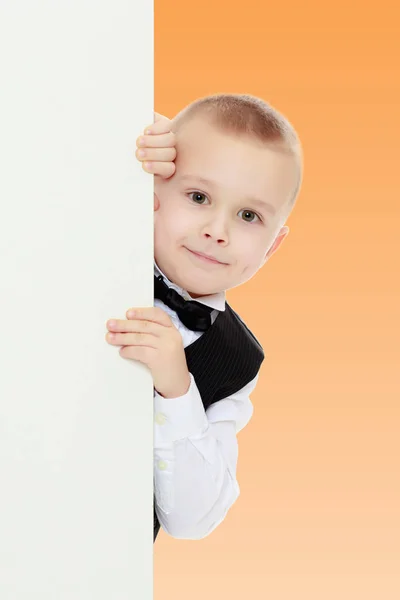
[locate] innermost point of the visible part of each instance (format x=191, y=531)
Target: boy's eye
x=251, y=213
x=197, y=196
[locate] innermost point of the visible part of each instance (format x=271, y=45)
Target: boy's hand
x=150, y=337
x=156, y=150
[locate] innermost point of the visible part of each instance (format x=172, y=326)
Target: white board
x=76, y=248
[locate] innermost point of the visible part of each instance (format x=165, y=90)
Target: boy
x=227, y=171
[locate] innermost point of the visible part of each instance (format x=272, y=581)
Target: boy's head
x=234, y=153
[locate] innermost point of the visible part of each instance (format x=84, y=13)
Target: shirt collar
x=216, y=301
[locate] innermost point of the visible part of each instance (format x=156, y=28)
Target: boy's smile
x=228, y=200
x=208, y=258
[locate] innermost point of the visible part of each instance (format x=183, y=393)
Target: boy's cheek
x=164, y=195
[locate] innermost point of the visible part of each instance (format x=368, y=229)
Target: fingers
x=163, y=140
x=151, y=313
x=157, y=150
x=162, y=125
x=144, y=319
x=158, y=117
x=155, y=154
x=160, y=169
x=158, y=161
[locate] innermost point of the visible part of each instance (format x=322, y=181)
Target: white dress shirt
x=196, y=451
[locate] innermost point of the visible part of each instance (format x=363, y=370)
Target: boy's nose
x=217, y=230
x=218, y=237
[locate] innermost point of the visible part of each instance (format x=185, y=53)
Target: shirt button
x=162, y=465
x=160, y=418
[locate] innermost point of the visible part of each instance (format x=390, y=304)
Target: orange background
x=319, y=463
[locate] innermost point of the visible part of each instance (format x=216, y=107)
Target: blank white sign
x=76, y=248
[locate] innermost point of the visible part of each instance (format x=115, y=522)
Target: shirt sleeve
x=195, y=459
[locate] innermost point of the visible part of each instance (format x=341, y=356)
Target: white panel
x=76, y=419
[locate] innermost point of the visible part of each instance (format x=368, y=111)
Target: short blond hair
x=248, y=115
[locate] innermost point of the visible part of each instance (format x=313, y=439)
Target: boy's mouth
x=205, y=257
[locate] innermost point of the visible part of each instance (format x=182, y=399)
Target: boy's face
x=208, y=206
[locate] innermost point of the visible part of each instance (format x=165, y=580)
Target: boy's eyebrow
x=258, y=201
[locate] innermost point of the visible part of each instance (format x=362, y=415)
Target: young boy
x=227, y=171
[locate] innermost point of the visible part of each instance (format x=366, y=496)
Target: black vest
x=222, y=360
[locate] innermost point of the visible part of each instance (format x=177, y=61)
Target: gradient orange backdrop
x=319, y=463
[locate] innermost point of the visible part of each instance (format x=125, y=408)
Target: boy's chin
x=200, y=293
x=196, y=292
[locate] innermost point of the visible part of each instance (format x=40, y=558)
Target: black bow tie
x=194, y=316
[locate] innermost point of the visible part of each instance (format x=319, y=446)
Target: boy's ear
x=156, y=202
x=278, y=240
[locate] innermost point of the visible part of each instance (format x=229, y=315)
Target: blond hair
x=248, y=115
